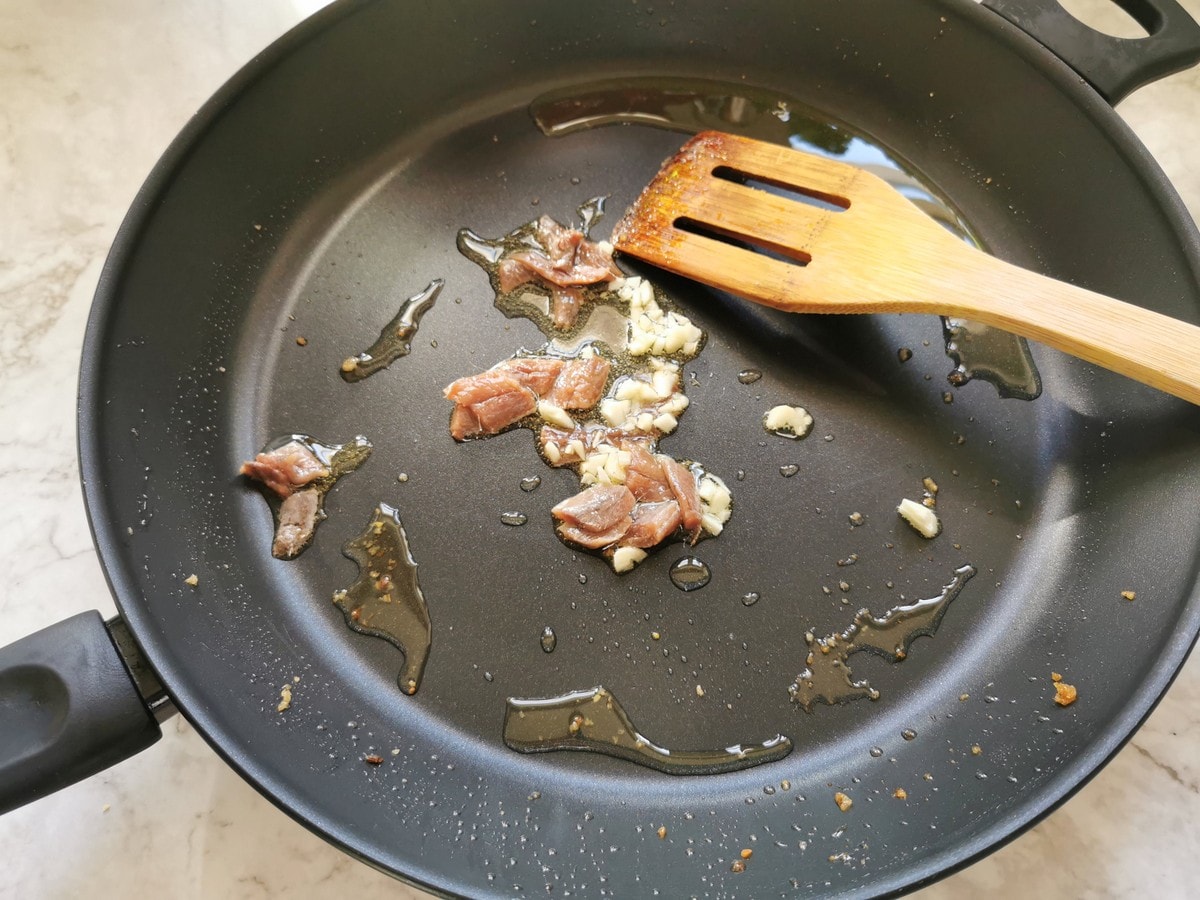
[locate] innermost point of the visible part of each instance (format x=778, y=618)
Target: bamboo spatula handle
x=1147, y=346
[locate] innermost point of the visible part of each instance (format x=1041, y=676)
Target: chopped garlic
x=625, y=558
x=555, y=415
x=788, y=421
x=920, y=517
x=651, y=330
x=716, y=503
x=666, y=423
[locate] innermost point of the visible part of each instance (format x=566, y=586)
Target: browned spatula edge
x=875, y=252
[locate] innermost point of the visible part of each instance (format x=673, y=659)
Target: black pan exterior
x=326, y=182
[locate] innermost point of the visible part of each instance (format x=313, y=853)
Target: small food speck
x=785, y=785
x=302, y=341
x=699, y=691
x=106, y=807
x=962, y=698
x=349, y=364
x=843, y=802
x=930, y=484
x=1129, y=595
x=747, y=853
x=192, y=580
x=1054, y=676
x=373, y=759
x=654, y=635
x=285, y=698
x=1065, y=694
x=923, y=519
x=976, y=750
x=844, y=586
x=738, y=866
x=856, y=519
x=662, y=832
x=904, y=354
x=900, y=794
x=402, y=478
x=395, y=751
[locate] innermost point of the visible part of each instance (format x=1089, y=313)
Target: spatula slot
x=800, y=193
x=752, y=243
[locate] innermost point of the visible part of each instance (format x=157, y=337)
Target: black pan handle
x=1113, y=66
x=69, y=707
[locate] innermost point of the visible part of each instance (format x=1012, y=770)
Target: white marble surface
x=90, y=95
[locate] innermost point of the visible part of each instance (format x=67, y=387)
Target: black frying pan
x=360, y=151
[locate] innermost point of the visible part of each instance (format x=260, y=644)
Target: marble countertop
x=90, y=95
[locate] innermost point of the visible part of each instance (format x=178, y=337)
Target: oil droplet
x=908, y=734
x=531, y=483
x=750, y=598
x=877, y=752
x=789, y=470
x=513, y=518
x=594, y=720
x=749, y=376
x=690, y=574
x=549, y=639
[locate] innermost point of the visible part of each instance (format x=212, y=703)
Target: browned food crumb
x=962, y=698
x=1065, y=694
x=654, y=635
x=373, y=759
x=843, y=802
x=302, y=341
x=856, y=518
x=285, y=698
x=930, y=484
x=349, y=364
x=1055, y=677
x=900, y=794
x=1129, y=595
x=662, y=832
x=747, y=853
x=192, y=580
x=738, y=866
x=976, y=750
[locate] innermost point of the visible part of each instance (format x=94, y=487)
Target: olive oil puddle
x=386, y=600
x=395, y=340
x=339, y=459
x=828, y=679
x=694, y=105
x=595, y=721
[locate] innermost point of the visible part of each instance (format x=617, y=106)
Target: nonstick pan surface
x=328, y=182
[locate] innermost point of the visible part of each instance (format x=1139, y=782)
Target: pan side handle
x=69, y=707
x=1114, y=66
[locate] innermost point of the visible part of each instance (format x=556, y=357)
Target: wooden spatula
x=867, y=249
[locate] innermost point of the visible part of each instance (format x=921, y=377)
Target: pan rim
x=191, y=700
